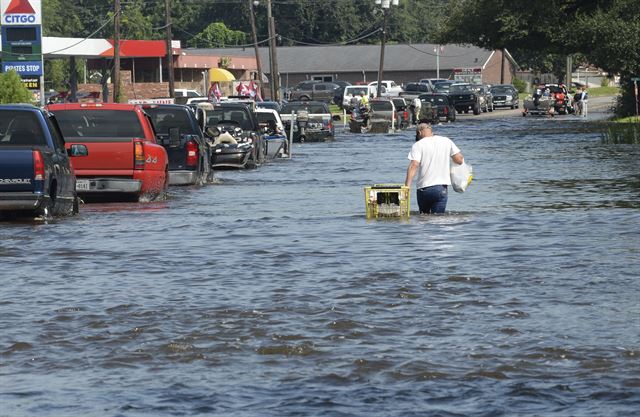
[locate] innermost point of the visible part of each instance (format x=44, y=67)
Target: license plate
x=82, y=185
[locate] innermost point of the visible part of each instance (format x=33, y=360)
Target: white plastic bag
x=461, y=176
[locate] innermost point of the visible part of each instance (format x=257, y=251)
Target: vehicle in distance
x=505, y=95
x=484, y=96
x=316, y=91
x=464, y=98
x=36, y=175
x=312, y=121
x=413, y=90
x=124, y=162
x=389, y=87
x=352, y=94
x=189, y=153
x=445, y=112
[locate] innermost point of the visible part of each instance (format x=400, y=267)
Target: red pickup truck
x=124, y=159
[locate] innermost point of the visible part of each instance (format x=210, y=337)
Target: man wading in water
x=431, y=157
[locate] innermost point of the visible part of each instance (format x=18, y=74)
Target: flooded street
x=270, y=294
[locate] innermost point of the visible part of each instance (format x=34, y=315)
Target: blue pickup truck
x=36, y=175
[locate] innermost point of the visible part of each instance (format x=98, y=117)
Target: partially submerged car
x=505, y=95
x=464, y=98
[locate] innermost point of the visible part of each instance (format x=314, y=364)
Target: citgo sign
x=20, y=12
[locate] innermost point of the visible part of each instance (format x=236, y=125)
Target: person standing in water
x=431, y=157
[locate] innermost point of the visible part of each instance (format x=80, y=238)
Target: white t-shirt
x=434, y=154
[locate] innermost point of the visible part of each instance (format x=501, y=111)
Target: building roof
x=356, y=58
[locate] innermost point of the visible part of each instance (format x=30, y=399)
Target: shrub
x=520, y=85
x=12, y=90
x=604, y=82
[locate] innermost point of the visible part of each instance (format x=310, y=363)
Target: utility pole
x=167, y=8
x=275, y=75
x=254, y=33
x=383, y=40
x=116, y=53
x=502, y=66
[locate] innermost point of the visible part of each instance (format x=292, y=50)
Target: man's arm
x=458, y=158
x=411, y=171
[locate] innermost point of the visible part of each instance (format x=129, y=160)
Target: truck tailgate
x=104, y=155
x=16, y=170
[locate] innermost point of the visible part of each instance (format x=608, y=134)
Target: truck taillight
x=192, y=153
x=446, y=110
x=38, y=166
x=138, y=154
x=406, y=115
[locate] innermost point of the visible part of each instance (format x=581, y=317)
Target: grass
x=603, y=91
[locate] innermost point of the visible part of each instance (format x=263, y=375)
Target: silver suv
x=314, y=90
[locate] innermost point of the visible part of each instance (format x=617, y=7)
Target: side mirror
x=78, y=150
x=174, y=136
x=336, y=117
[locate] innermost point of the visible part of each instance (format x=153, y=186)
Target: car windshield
x=381, y=105
x=356, y=91
x=442, y=87
x=265, y=118
x=435, y=99
x=99, y=124
x=417, y=87
x=500, y=90
x=460, y=88
x=164, y=118
x=268, y=105
x=20, y=128
x=310, y=107
x=237, y=115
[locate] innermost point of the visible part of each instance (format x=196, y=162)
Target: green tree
x=217, y=35
x=12, y=90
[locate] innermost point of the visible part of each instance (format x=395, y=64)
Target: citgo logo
x=19, y=11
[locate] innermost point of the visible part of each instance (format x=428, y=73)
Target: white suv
x=389, y=88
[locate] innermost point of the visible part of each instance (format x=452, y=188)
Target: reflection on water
x=269, y=293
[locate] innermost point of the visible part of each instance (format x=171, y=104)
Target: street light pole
x=273, y=65
x=385, y=4
x=255, y=44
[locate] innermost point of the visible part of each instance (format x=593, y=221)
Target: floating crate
x=387, y=200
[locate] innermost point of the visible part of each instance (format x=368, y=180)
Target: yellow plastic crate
x=387, y=200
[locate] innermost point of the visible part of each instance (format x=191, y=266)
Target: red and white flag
x=242, y=89
x=254, y=91
x=214, y=93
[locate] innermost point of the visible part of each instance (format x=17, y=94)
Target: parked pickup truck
x=124, y=159
x=312, y=121
x=178, y=131
x=36, y=176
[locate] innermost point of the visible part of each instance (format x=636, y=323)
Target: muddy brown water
x=270, y=294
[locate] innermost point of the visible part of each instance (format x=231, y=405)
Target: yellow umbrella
x=220, y=74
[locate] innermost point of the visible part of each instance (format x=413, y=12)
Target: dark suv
x=505, y=95
x=314, y=90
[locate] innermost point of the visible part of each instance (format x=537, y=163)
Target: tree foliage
x=12, y=90
x=217, y=35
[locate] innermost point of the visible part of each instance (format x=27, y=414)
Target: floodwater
x=270, y=294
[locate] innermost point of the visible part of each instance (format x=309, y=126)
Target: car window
x=20, y=128
x=310, y=107
x=465, y=88
x=238, y=115
x=164, y=118
x=381, y=105
x=99, y=124
x=356, y=91
x=320, y=87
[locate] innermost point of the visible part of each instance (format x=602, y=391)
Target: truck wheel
x=304, y=98
x=476, y=110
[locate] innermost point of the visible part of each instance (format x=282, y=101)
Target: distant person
x=431, y=158
x=584, y=99
x=364, y=100
x=416, y=106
